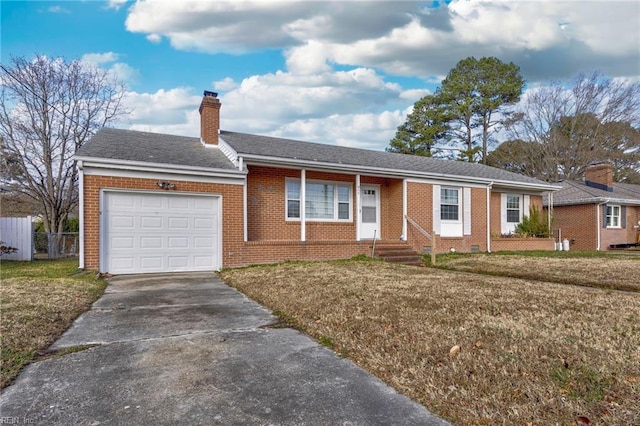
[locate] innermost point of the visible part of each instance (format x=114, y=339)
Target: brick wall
x=625, y=235
x=578, y=224
x=519, y=244
x=420, y=209
x=274, y=239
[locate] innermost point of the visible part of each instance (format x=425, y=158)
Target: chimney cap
x=210, y=93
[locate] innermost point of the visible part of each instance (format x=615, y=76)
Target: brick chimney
x=599, y=175
x=210, y=118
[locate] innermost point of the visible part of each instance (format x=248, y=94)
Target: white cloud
x=546, y=38
x=98, y=59
x=116, y=4
x=154, y=38
x=164, y=107
x=413, y=95
x=225, y=84
x=57, y=9
x=263, y=102
x=109, y=61
x=370, y=131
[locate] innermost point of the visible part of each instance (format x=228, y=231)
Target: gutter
x=147, y=166
x=350, y=169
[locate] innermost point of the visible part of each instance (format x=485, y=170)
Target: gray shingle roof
x=264, y=146
x=145, y=147
x=575, y=192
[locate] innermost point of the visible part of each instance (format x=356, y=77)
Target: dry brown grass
x=39, y=300
x=614, y=271
x=530, y=352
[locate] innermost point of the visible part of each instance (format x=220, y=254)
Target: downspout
x=404, y=237
x=489, y=216
x=358, y=208
x=81, y=211
x=549, y=212
x=245, y=204
x=598, y=225
x=303, y=202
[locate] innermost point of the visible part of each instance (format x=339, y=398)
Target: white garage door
x=150, y=232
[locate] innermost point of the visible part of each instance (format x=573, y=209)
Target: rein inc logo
x=16, y=421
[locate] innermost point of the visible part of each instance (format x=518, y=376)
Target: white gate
x=17, y=232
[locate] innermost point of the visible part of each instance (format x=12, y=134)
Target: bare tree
x=568, y=126
x=49, y=108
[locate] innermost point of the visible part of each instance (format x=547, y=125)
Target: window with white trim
x=325, y=201
x=513, y=208
x=450, y=204
x=613, y=216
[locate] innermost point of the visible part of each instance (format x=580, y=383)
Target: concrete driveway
x=186, y=348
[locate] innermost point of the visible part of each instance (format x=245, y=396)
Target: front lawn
x=612, y=270
x=39, y=301
x=472, y=348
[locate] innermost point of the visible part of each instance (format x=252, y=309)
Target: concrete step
x=398, y=252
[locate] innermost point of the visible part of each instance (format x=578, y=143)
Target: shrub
x=536, y=225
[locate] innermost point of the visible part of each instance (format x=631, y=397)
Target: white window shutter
x=436, y=209
x=503, y=214
x=466, y=207
x=525, y=206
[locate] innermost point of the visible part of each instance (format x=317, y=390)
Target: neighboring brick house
x=597, y=212
x=158, y=203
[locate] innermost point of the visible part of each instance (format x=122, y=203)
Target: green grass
x=40, y=300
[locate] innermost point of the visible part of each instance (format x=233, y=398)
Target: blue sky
x=342, y=72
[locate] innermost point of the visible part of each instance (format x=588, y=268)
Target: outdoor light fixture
x=165, y=185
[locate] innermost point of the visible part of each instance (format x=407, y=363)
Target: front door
x=370, y=215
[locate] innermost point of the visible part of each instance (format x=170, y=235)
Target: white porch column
x=303, y=202
x=358, y=208
x=404, y=210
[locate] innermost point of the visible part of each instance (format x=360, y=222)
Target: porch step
x=398, y=252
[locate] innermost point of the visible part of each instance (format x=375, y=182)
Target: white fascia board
x=159, y=167
x=392, y=173
x=228, y=151
x=596, y=200
x=504, y=185
x=101, y=170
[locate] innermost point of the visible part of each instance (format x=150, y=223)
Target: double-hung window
x=513, y=208
x=450, y=204
x=324, y=201
x=613, y=217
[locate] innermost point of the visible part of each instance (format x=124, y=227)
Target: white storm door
x=370, y=212
x=156, y=232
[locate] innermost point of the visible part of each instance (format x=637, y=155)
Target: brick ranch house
x=597, y=212
x=160, y=203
